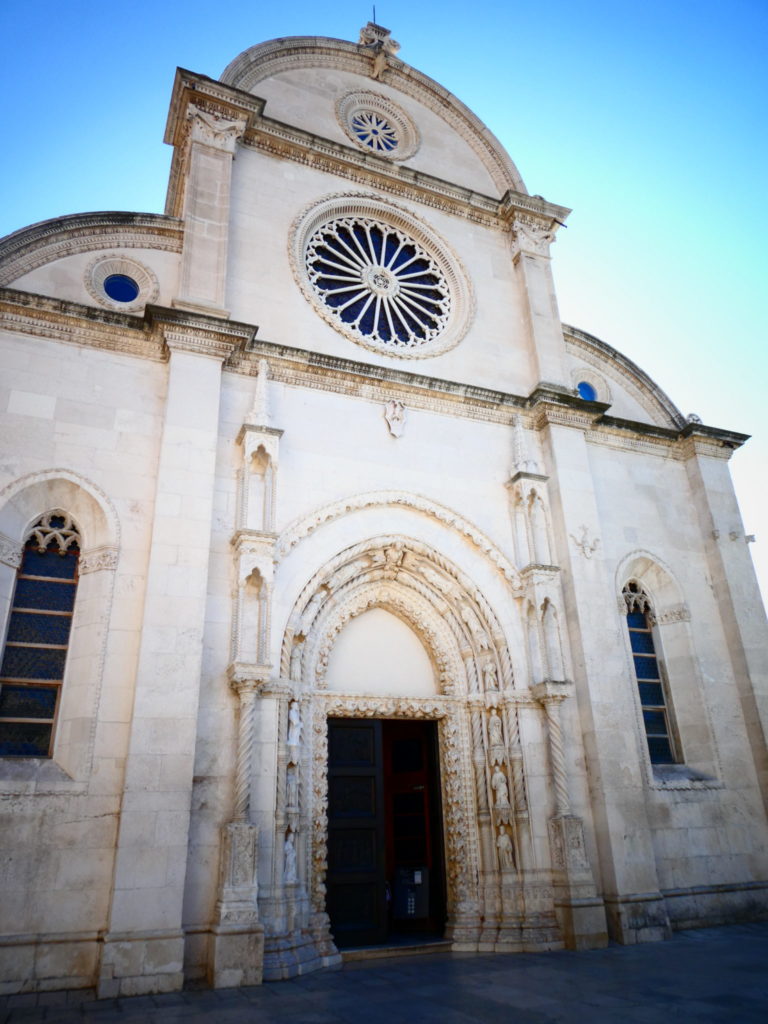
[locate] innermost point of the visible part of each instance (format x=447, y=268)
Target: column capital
x=215, y=129
x=552, y=691
x=183, y=330
x=245, y=678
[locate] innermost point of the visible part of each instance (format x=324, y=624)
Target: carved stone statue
x=294, y=724
x=500, y=787
x=505, y=848
x=494, y=730
x=289, y=859
x=292, y=786
x=296, y=653
x=489, y=676
x=381, y=44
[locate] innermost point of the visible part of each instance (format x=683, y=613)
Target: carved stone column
x=237, y=937
x=580, y=911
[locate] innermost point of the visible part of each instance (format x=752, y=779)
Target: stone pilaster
x=629, y=881
x=143, y=946
x=734, y=585
x=532, y=236
x=211, y=140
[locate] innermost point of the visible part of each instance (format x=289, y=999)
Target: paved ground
x=713, y=975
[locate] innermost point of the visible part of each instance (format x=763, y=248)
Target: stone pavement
x=712, y=975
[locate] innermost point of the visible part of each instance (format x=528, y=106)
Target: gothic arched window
x=32, y=669
x=649, y=676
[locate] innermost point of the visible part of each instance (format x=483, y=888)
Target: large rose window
x=379, y=276
x=378, y=282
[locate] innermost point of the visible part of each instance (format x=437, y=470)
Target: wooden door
x=356, y=898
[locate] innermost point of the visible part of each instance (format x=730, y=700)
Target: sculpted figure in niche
x=505, y=848
x=489, y=676
x=500, y=787
x=475, y=627
x=294, y=724
x=494, y=730
x=289, y=859
x=296, y=653
x=292, y=786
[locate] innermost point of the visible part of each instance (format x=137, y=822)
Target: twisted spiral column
x=557, y=756
x=518, y=782
x=247, y=691
x=478, y=757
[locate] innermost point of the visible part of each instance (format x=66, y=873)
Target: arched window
x=649, y=675
x=32, y=669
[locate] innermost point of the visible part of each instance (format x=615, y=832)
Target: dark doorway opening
x=386, y=875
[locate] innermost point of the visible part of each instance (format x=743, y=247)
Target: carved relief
x=97, y=559
x=379, y=42
x=394, y=414
x=213, y=130
x=10, y=552
x=532, y=235
x=586, y=545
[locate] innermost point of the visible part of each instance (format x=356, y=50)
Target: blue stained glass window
x=121, y=288
x=586, y=391
x=38, y=633
x=653, y=704
x=38, y=628
x=27, y=701
x=24, y=739
x=50, y=595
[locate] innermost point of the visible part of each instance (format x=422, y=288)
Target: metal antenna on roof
x=374, y=14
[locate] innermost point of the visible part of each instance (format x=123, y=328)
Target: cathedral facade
x=348, y=596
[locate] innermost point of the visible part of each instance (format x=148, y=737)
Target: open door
x=385, y=848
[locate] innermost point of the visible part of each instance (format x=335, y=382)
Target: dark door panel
x=356, y=884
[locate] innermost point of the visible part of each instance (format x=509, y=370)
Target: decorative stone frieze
x=97, y=559
x=10, y=552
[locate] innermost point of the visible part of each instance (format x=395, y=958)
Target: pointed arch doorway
x=386, y=865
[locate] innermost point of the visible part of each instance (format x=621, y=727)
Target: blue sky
x=648, y=120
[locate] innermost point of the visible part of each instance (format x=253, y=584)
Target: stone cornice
x=645, y=387
x=367, y=169
x=38, y=244
x=183, y=330
x=75, y=323
x=297, y=53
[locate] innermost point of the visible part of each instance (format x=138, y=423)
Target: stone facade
x=400, y=509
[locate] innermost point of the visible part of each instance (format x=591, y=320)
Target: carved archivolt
x=470, y=656
x=301, y=528
x=418, y=584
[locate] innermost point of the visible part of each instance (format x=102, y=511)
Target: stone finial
x=693, y=417
x=379, y=42
x=259, y=413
